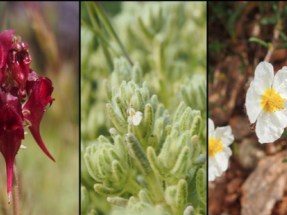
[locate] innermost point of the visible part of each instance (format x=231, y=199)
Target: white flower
x=218, y=151
x=23, y=147
x=134, y=117
x=266, y=102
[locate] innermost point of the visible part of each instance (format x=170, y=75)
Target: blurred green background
x=51, y=29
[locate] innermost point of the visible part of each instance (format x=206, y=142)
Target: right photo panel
x=247, y=119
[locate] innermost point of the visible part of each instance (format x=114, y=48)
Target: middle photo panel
x=143, y=108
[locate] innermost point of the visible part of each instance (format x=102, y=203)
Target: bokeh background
x=51, y=29
x=241, y=35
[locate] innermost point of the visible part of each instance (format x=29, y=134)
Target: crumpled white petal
x=253, y=106
x=137, y=118
x=225, y=134
x=270, y=126
x=218, y=163
x=280, y=82
x=210, y=126
x=263, y=77
x=134, y=117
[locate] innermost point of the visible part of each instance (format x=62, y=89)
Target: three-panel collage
x=143, y=108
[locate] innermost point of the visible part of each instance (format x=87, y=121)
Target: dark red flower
x=24, y=96
x=39, y=90
x=6, y=38
x=19, y=61
x=11, y=131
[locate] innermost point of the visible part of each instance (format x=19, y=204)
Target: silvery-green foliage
x=175, y=50
x=157, y=166
x=193, y=92
x=162, y=149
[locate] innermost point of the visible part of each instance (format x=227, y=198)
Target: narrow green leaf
x=155, y=164
x=256, y=40
x=118, y=201
x=106, y=191
x=182, y=192
x=201, y=184
x=110, y=28
x=284, y=37
x=147, y=32
x=282, y=46
x=138, y=152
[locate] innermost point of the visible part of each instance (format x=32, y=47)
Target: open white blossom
x=219, y=152
x=266, y=102
x=134, y=117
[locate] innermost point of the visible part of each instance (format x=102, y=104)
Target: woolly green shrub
x=143, y=120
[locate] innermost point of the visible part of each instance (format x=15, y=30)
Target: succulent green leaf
x=182, y=192
x=155, y=164
x=118, y=201
x=118, y=122
x=138, y=152
x=106, y=191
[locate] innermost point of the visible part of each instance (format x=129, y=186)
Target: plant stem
x=276, y=34
x=15, y=191
x=156, y=187
x=98, y=32
x=133, y=187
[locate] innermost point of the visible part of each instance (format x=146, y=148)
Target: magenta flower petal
x=24, y=97
x=19, y=61
x=6, y=38
x=11, y=132
x=39, y=92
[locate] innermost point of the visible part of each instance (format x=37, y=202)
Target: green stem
x=161, y=71
x=156, y=187
x=133, y=187
x=110, y=28
x=99, y=33
x=96, y=32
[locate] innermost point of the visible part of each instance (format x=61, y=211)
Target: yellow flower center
x=272, y=101
x=132, y=113
x=214, y=146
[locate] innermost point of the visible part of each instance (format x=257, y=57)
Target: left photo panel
x=143, y=108
x=39, y=108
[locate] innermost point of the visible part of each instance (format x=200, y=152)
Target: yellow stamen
x=214, y=146
x=272, y=101
x=132, y=114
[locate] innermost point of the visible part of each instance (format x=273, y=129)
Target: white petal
x=284, y=111
x=218, y=164
x=214, y=169
x=280, y=82
x=210, y=125
x=270, y=126
x=130, y=119
x=137, y=118
x=263, y=77
x=131, y=111
x=223, y=158
x=225, y=134
x=138, y=113
x=23, y=147
x=253, y=106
